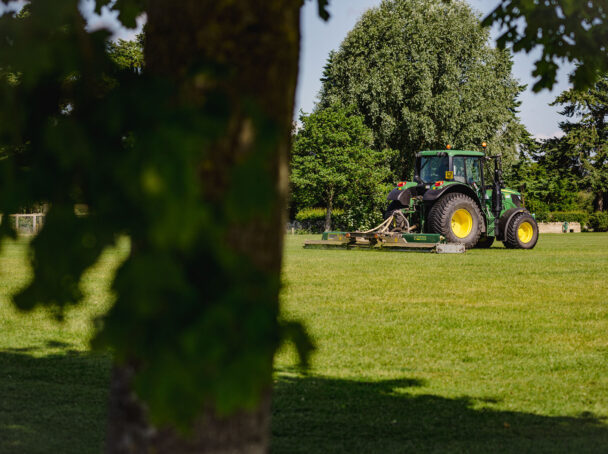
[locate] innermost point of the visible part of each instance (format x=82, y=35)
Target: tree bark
x=257, y=43
x=599, y=201
x=130, y=432
x=330, y=203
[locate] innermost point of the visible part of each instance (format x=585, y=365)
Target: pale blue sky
x=319, y=38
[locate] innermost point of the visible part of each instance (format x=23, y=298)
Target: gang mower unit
x=449, y=206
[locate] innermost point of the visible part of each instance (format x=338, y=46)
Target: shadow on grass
x=325, y=415
x=55, y=403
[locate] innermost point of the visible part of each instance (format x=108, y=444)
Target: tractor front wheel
x=522, y=232
x=457, y=217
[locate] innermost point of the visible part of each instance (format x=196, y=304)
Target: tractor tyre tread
x=441, y=213
x=511, y=238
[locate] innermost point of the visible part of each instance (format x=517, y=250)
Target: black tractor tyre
x=394, y=205
x=398, y=224
x=485, y=242
x=443, y=216
x=522, y=232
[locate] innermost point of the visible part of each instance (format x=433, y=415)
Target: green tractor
x=451, y=197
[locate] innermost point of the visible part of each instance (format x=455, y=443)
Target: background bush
x=599, y=221
x=333, y=166
x=563, y=216
x=312, y=220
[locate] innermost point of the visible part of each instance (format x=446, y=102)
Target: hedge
x=315, y=214
x=313, y=219
x=564, y=216
x=599, y=221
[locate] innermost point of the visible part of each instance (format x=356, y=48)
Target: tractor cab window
x=433, y=168
x=459, y=169
x=473, y=171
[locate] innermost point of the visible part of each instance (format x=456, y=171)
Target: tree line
x=420, y=75
x=570, y=173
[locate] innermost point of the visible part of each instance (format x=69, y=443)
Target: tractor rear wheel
x=457, y=217
x=522, y=232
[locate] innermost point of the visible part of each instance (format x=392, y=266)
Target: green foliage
x=564, y=216
x=79, y=126
x=599, y=222
x=423, y=75
x=570, y=216
x=312, y=220
x=586, y=138
x=564, y=29
x=315, y=214
x=128, y=54
x=333, y=164
x=563, y=173
x=540, y=216
x=322, y=7
x=548, y=176
x=128, y=10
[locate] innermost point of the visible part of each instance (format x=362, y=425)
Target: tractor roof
x=451, y=153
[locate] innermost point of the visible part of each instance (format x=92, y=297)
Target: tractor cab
x=439, y=171
x=449, y=167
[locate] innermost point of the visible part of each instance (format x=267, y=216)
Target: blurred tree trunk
x=328, y=211
x=257, y=45
x=600, y=201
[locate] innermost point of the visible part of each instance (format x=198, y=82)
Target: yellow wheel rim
x=525, y=232
x=462, y=223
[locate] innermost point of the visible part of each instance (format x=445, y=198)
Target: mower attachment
x=388, y=241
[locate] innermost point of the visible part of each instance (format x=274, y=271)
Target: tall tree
x=333, y=164
x=189, y=159
x=423, y=75
x=549, y=174
x=556, y=170
x=586, y=137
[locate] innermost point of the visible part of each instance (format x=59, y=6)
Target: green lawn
x=491, y=351
x=53, y=391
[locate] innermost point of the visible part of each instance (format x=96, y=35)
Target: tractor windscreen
x=433, y=168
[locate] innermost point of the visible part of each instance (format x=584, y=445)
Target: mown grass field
x=492, y=351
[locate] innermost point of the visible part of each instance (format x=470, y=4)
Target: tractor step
x=390, y=241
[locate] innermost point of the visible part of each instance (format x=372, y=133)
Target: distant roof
x=452, y=153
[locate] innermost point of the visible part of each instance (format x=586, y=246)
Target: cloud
x=108, y=19
x=11, y=6
x=557, y=134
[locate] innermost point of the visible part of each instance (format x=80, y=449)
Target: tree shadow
x=57, y=403
x=53, y=403
x=326, y=415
